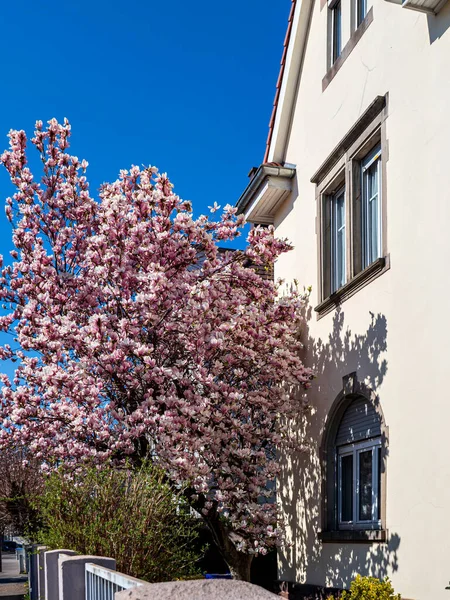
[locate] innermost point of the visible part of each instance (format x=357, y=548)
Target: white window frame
x=335, y=284
x=373, y=157
x=355, y=450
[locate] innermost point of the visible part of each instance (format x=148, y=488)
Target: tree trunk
x=239, y=563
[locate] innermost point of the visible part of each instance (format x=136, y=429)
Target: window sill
x=377, y=268
x=354, y=39
x=354, y=536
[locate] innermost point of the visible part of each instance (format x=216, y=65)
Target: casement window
x=336, y=30
x=347, y=22
x=359, y=470
x=366, y=236
x=355, y=471
x=338, y=240
x=351, y=202
x=371, y=206
x=358, y=458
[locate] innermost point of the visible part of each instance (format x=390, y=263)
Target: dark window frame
x=354, y=451
x=344, y=167
x=336, y=31
x=352, y=389
x=333, y=65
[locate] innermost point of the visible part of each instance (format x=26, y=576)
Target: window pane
x=371, y=211
x=379, y=484
x=362, y=10
x=365, y=486
x=373, y=231
x=373, y=179
x=340, y=210
x=338, y=240
x=337, y=31
x=347, y=488
x=340, y=218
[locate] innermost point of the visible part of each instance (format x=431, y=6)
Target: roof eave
x=268, y=188
x=287, y=85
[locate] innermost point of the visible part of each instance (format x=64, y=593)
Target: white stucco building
x=357, y=176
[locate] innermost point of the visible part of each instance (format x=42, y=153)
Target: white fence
x=103, y=583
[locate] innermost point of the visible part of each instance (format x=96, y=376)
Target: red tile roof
x=280, y=79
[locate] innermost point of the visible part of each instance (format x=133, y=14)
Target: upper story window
x=366, y=237
x=352, y=212
x=347, y=21
x=338, y=239
x=336, y=29
x=371, y=206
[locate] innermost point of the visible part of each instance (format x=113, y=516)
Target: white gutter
x=263, y=172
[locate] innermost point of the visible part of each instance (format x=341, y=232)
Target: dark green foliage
x=20, y=482
x=133, y=516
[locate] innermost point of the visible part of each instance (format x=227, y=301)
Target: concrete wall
x=71, y=583
x=51, y=572
x=41, y=571
x=33, y=572
x=394, y=332
x=199, y=590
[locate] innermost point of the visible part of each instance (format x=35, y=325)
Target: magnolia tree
x=136, y=337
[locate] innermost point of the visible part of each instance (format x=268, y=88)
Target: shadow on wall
x=438, y=24
x=307, y=559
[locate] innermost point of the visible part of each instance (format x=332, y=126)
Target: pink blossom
x=138, y=336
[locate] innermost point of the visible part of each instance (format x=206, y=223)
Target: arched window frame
x=332, y=528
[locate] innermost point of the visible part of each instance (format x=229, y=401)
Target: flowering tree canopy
x=138, y=337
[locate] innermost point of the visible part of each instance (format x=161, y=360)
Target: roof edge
x=288, y=79
x=265, y=170
x=287, y=39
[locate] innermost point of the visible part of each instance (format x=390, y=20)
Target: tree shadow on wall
x=306, y=559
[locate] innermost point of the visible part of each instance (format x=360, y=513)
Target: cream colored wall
x=396, y=331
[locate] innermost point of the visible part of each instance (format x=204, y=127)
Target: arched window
x=358, y=457
x=354, y=460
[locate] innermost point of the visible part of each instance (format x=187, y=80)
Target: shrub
x=20, y=481
x=133, y=516
x=370, y=588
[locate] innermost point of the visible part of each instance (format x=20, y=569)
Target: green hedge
x=133, y=516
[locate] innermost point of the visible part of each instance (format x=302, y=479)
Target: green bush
x=133, y=516
x=369, y=588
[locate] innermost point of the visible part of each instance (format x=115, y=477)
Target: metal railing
x=102, y=583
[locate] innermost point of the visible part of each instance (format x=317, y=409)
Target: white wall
x=395, y=332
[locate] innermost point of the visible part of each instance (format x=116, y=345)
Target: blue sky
x=185, y=86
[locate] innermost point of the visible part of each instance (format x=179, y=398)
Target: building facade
x=356, y=176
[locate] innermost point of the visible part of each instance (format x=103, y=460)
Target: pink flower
x=136, y=334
